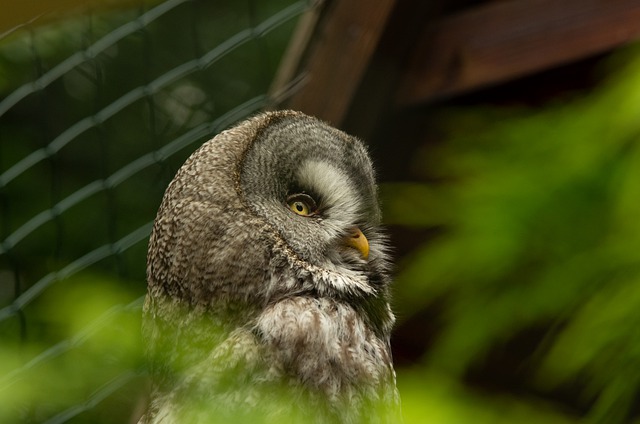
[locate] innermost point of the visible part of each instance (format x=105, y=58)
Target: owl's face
x=315, y=186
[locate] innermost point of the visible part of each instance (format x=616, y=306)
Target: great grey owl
x=268, y=282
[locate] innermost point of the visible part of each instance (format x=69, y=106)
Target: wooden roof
x=412, y=53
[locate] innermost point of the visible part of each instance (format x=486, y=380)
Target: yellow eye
x=302, y=204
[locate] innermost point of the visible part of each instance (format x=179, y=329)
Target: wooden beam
x=508, y=39
x=345, y=42
x=285, y=79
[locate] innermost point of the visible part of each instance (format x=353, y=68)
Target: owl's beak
x=358, y=241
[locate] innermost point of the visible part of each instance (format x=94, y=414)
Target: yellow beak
x=358, y=241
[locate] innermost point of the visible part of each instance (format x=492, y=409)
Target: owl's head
x=315, y=186
x=280, y=204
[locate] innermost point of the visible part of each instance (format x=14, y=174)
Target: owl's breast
x=324, y=345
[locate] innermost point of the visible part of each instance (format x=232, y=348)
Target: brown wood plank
x=345, y=43
x=504, y=40
x=285, y=79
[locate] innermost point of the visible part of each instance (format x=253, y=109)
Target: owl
x=268, y=282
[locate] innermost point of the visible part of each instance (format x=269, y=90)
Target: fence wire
x=97, y=111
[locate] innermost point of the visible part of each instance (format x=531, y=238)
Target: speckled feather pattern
x=256, y=313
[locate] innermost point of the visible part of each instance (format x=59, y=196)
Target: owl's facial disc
x=304, y=205
x=339, y=208
x=315, y=186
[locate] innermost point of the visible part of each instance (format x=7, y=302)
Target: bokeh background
x=506, y=135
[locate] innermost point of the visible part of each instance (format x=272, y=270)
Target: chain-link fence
x=98, y=109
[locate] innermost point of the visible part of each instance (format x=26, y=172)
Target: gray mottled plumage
x=256, y=313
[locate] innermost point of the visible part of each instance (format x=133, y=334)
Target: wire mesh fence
x=98, y=109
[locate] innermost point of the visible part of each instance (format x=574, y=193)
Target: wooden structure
x=394, y=54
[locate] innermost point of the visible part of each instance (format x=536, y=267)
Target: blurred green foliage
x=535, y=265
x=87, y=349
